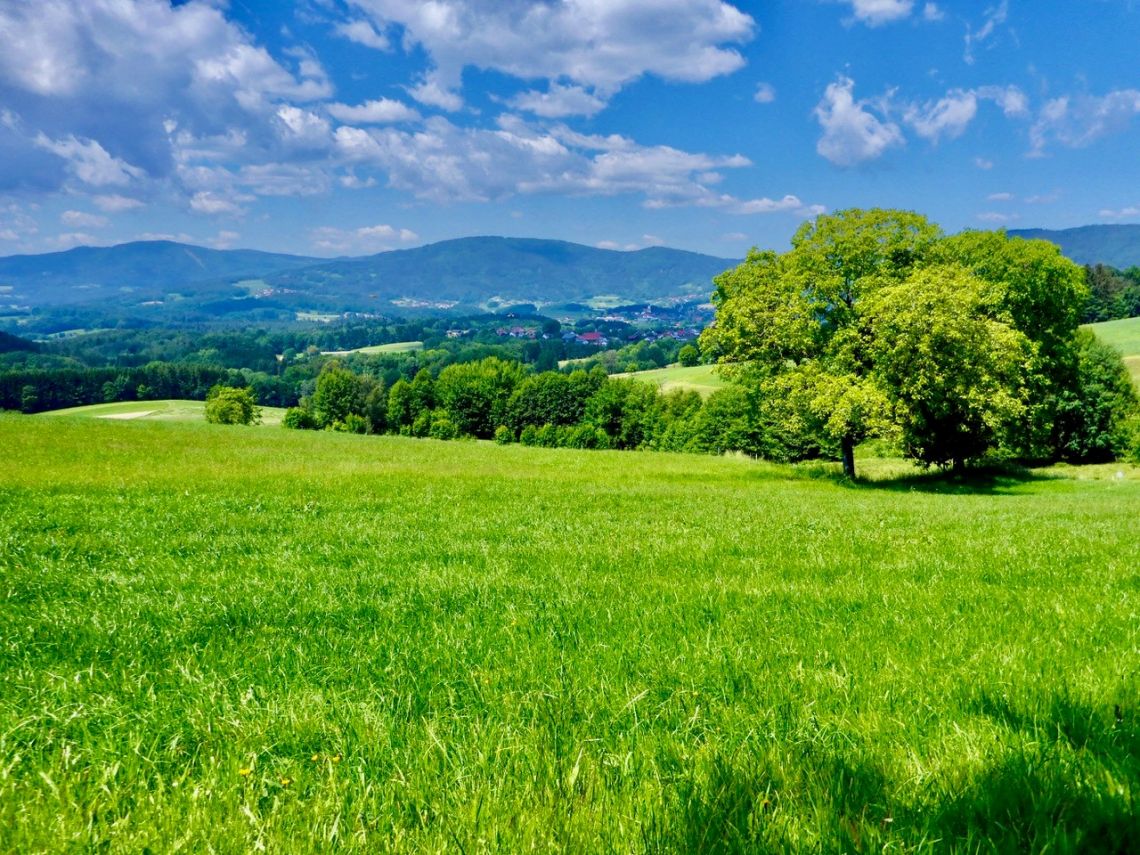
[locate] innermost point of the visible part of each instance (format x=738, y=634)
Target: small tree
x=226, y=405
x=689, y=356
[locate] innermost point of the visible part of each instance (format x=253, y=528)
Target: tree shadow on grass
x=986, y=481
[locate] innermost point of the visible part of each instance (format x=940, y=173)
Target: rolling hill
x=1118, y=246
x=166, y=280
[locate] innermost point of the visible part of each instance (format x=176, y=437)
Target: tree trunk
x=959, y=468
x=848, y=446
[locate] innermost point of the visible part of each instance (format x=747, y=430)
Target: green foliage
x=1094, y=416
x=299, y=418
x=339, y=392
x=304, y=642
x=226, y=405
x=875, y=325
x=950, y=372
x=689, y=356
x=476, y=395
x=504, y=435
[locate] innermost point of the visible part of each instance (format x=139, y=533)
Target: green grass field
x=229, y=640
x=395, y=347
x=1124, y=335
x=697, y=378
x=169, y=410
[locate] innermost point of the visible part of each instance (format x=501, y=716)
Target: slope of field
x=1124, y=335
x=395, y=347
x=217, y=639
x=699, y=378
x=170, y=410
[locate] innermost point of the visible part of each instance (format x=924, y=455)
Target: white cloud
x=931, y=12
x=873, y=13
x=206, y=202
x=1000, y=197
x=363, y=33
x=363, y=239
x=151, y=65
x=1013, y=101
x=997, y=218
x=379, y=112
x=558, y=101
x=82, y=220
x=617, y=247
x=994, y=17
x=1120, y=214
x=113, y=203
x=1078, y=121
x=983, y=163
x=1043, y=198
x=948, y=116
x=851, y=133
x=88, y=161
x=431, y=92
x=302, y=128
x=765, y=93
x=600, y=46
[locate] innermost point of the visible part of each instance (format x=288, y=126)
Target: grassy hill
x=1124, y=335
x=699, y=378
x=395, y=347
x=1117, y=245
x=242, y=639
x=176, y=411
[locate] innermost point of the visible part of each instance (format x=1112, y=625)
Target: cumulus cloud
x=444, y=162
x=765, y=93
x=933, y=13
x=852, y=134
x=88, y=161
x=363, y=33
x=1078, y=121
x=363, y=239
x=948, y=116
x=113, y=203
x=82, y=220
x=600, y=46
x=997, y=218
x=1000, y=197
x=873, y=13
x=98, y=81
x=382, y=111
x=559, y=101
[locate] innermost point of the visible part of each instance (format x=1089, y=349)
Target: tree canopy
x=877, y=324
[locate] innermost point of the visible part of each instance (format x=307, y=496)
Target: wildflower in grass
x=335, y=758
x=316, y=757
x=286, y=781
x=245, y=771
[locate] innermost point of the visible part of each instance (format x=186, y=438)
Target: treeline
x=1113, y=294
x=504, y=401
x=35, y=390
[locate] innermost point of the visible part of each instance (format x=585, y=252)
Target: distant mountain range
x=482, y=273
x=1118, y=246
x=169, y=282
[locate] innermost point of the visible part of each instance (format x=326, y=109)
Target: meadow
x=161, y=410
x=372, y=350
x=689, y=378
x=234, y=639
x=1124, y=335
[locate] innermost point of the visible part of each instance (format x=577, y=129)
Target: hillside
x=235, y=639
x=1118, y=246
x=164, y=281
x=1124, y=335
x=132, y=272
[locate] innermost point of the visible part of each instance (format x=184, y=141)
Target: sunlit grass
x=226, y=639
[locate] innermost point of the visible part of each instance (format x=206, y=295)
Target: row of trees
x=1113, y=294
x=875, y=324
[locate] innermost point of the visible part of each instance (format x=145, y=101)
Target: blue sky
x=332, y=127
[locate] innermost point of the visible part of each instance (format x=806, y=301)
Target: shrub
x=299, y=418
x=226, y=405
x=503, y=435
x=529, y=435
x=442, y=427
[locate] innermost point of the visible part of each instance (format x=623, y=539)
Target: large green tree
x=876, y=324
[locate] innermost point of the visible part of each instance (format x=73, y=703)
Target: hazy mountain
x=1118, y=246
x=174, y=279
x=149, y=269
